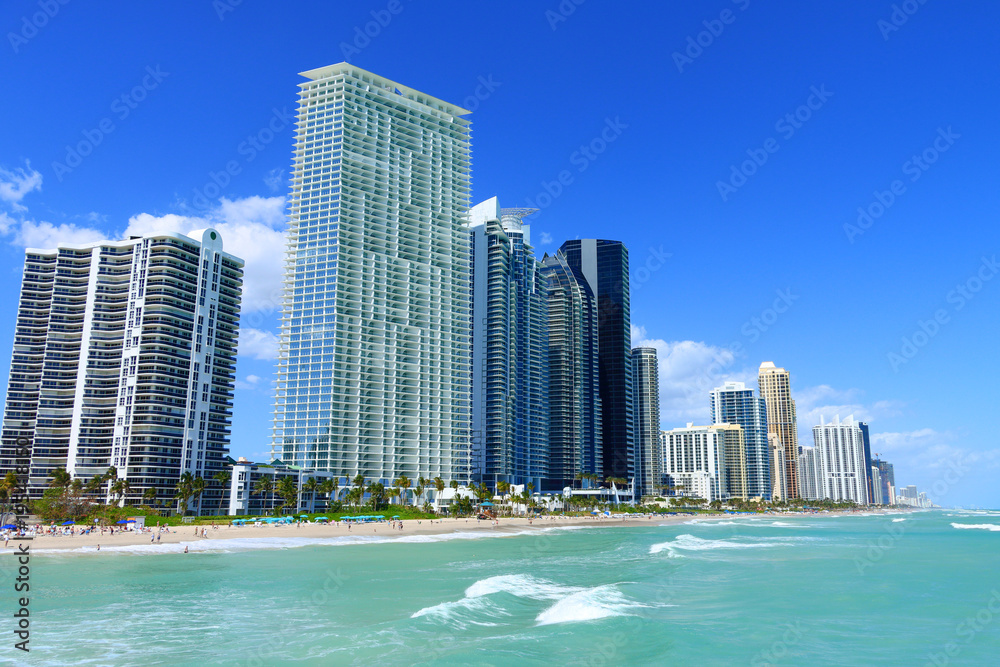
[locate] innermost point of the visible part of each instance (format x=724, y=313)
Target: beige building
x=734, y=460
x=775, y=389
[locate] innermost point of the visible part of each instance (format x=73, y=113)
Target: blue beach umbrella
x=129, y=520
x=68, y=523
x=9, y=526
x=122, y=521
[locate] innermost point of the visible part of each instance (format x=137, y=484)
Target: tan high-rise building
x=775, y=389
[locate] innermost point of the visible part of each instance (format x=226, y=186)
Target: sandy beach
x=192, y=537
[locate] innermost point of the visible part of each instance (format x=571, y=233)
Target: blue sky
x=729, y=144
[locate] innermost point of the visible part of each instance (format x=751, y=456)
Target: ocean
x=916, y=589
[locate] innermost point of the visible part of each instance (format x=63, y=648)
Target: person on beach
x=157, y=538
x=98, y=547
x=185, y=548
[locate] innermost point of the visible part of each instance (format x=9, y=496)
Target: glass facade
x=733, y=403
x=604, y=266
x=373, y=365
x=648, y=464
x=575, y=445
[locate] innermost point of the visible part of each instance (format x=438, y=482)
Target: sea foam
x=692, y=543
x=992, y=527
x=588, y=605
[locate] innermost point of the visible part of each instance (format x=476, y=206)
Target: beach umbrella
x=122, y=521
x=9, y=526
x=68, y=523
x=486, y=504
x=129, y=520
x=302, y=516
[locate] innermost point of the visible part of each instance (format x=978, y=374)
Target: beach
x=192, y=536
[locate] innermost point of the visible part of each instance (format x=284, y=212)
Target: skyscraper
x=575, y=445
x=373, y=363
x=841, y=460
x=779, y=485
x=646, y=420
x=694, y=461
x=733, y=403
x=776, y=390
x=809, y=486
x=510, y=358
x=124, y=356
x=866, y=439
x=735, y=460
x=604, y=265
x=887, y=477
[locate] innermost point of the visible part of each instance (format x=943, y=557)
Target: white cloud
x=45, y=235
x=15, y=184
x=253, y=229
x=258, y=344
x=824, y=401
x=687, y=371
x=545, y=239
x=249, y=382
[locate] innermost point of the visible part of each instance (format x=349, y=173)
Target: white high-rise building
x=779, y=485
x=809, y=486
x=124, y=355
x=694, y=461
x=646, y=420
x=877, y=498
x=373, y=364
x=841, y=460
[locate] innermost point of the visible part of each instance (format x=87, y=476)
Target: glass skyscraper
x=373, y=365
x=575, y=445
x=733, y=403
x=510, y=362
x=604, y=266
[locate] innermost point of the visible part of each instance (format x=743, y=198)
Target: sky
x=812, y=184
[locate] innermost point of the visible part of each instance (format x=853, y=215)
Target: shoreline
x=319, y=534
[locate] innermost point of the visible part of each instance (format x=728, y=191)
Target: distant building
x=888, y=480
x=510, y=356
x=866, y=438
x=694, y=461
x=876, y=477
x=603, y=265
x=124, y=355
x=809, y=484
x=779, y=480
x=734, y=459
x=646, y=421
x=734, y=403
x=575, y=445
x=841, y=454
x=248, y=497
x=776, y=390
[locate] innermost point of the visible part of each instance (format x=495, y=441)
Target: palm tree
x=288, y=490
x=378, y=494
x=60, y=478
x=439, y=485
x=503, y=488
x=359, y=487
x=149, y=495
x=393, y=492
x=184, y=491
x=310, y=487
x=8, y=488
x=222, y=477
x=263, y=486
x=403, y=483
x=120, y=490
x=453, y=484
x=334, y=485
x=197, y=488
x=326, y=487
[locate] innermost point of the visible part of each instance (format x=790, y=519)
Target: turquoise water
x=814, y=590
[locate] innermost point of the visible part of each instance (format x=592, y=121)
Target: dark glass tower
x=868, y=458
x=604, y=265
